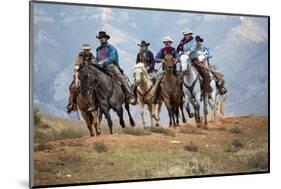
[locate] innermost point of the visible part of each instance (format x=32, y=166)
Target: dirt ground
x=64, y=153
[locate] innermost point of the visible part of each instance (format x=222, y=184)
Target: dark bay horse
x=172, y=92
x=108, y=92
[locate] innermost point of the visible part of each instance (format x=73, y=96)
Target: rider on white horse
x=190, y=49
x=187, y=52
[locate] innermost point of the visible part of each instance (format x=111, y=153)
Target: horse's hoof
x=191, y=115
x=157, y=125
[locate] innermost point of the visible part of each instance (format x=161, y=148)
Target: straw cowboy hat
x=143, y=43
x=86, y=47
x=102, y=34
x=167, y=39
x=187, y=31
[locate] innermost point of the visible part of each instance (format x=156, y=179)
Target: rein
x=191, y=87
x=147, y=91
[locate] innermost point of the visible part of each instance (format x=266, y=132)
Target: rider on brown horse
x=167, y=49
x=84, y=58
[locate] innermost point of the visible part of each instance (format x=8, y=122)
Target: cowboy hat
x=86, y=47
x=198, y=38
x=102, y=34
x=143, y=43
x=167, y=38
x=187, y=31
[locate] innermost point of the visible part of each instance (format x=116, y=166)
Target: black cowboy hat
x=102, y=34
x=198, y=38
x=143, y=43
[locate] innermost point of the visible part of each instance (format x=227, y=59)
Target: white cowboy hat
x=187, y=31
x=86, y=47
x=167, y=38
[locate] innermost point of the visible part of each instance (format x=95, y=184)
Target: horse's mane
x=142, y=66
x=99, y=68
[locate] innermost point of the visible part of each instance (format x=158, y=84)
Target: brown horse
x=91, y=118
x=172, y=92
x=83, y=102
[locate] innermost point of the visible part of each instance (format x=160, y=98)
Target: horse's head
x=140, y=73
x=84, y=77
x=169, y=62
x=185, y=63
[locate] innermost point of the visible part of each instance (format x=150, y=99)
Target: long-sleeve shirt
x=161, y=53
x=148, y=58
x=196, y=49
x=108, y=54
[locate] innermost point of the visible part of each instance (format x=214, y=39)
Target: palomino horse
x=83, y=102
x=172, y=93
x=146, y=91
x=108, y=92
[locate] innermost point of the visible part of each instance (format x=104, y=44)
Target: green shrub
x=259, y=160
x=37, y=116
x=234, y=146
x=42, y=146
x=191, y=147
x=100, y=147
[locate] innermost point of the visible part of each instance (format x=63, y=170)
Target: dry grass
x=190, y=130
x=236, y=130
x=70, y=157
x=136, y=131
x=161, y=130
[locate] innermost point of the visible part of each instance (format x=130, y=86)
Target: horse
x=172, y=93
x=214, y=94
x=145, y=91
x=109, y=93
x=191, y=88
x=83, y=101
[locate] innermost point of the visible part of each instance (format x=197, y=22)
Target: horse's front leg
x=96, y=121
x=187, y=107
x=157, y=112
x=206, y=111
x=142, y=112
x=88, y=121
x=182, y=114
x=127, y=107
x=151, y=113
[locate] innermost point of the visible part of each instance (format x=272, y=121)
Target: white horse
x=191, y=88
x=145, y=91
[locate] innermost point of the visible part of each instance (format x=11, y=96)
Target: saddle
x=108, y=72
